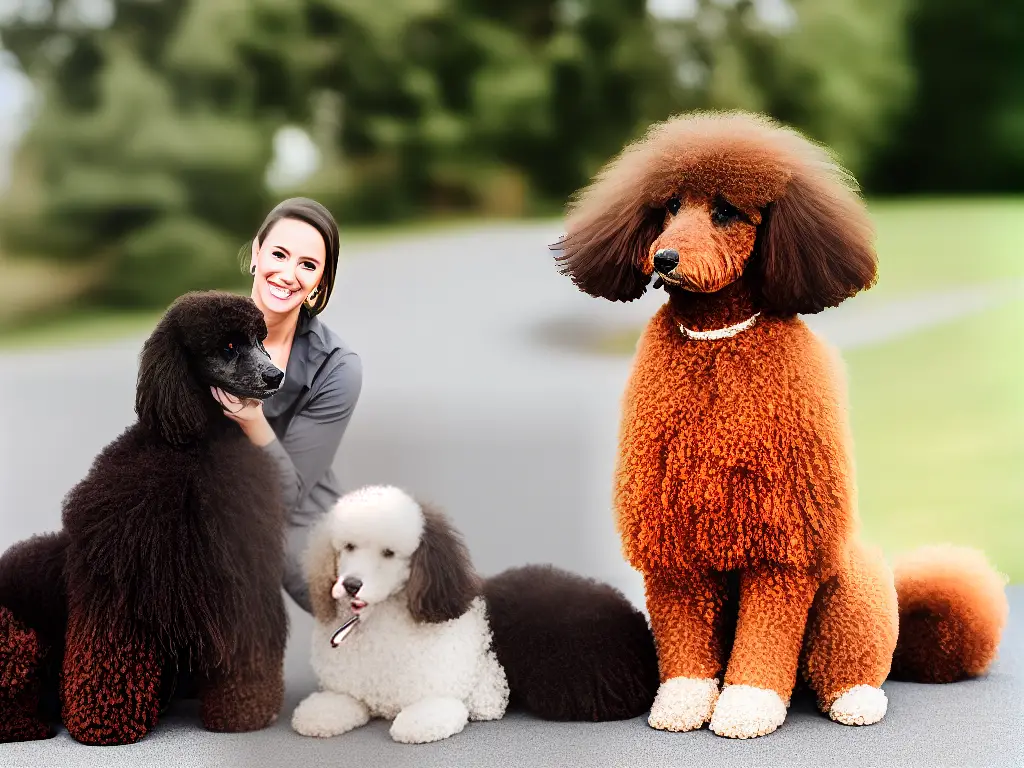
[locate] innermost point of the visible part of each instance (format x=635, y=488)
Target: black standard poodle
x=168, y=566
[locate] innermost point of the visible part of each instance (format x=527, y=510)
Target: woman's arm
x=314, y=435
x=305, y=453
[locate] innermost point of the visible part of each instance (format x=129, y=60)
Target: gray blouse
x=309, y=415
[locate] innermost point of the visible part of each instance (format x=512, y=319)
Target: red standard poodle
x=168, y=566
x=734, y=491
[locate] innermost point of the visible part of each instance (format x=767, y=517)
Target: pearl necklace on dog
x=719, y=333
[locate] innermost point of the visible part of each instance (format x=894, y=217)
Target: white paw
x=743, y=712
x=429, y=720
x=324, y=714
x=683, y=703
x=861, y=705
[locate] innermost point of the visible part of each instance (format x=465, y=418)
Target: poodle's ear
x=602, y=253
x=167, y=397
x=442, y=582
x=321, y=564
x=816, y=243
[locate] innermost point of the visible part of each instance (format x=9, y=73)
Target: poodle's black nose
x=273, y=378
x=352, y=585
x=666, y=260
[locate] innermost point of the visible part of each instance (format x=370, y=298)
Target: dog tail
x=952, y=611
x=572, y=648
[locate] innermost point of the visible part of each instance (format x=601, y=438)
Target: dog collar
x=719, y=333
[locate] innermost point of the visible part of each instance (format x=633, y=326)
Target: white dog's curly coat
x=422, y=652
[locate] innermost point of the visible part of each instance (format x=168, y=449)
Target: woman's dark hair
x=318, y=217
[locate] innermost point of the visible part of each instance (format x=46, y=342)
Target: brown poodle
x=734, y=492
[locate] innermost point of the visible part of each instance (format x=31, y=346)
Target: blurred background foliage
x=152, y=149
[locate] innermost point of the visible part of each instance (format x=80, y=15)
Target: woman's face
x=289, y=266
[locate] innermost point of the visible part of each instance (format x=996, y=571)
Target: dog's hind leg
x=33, y=613
x=851, y=634
x=429, y=720
x=19, y=684
x=326, y=713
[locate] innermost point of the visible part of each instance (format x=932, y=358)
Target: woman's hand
x=248, y=414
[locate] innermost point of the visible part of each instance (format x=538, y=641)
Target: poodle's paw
x=861, y=705
x=744, y=712
x=325, y=713
x=683, y=704
x=429, y=720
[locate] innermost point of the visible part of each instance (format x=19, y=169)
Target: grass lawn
x=75, y=327
x=938, y=417
x=938, y=424
x=58, y=320
x=928, y=244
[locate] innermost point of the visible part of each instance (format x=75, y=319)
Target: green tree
x=963, y=128
x=479, y=104
x=835, y=70
x=152, y=138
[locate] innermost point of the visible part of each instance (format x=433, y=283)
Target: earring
x=252, y=270
x=311, y=299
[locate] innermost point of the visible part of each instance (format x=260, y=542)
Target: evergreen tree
x=148, y=152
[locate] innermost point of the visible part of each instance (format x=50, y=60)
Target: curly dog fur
x=170, y=558
x=437, y=646
x=734, y=490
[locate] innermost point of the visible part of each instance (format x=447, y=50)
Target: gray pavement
x=473, y=400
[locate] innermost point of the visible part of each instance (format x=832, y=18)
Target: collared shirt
x=309, y=415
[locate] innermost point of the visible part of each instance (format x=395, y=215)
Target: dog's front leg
x=774, y=604
x=686, y=612
x=244, y=698
x=326, y=713
x=430, y=720
x=109, y=686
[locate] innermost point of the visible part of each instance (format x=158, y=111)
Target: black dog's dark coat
x=172, y=551
x=572, y=648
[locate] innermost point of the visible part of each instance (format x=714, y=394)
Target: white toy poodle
x=405, y=630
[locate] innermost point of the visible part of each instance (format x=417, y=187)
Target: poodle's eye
x=674, y=204
x=388, y=553
x=722, y=213
x=349, y=547
x=232, y=345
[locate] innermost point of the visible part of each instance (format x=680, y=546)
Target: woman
x=293, y=262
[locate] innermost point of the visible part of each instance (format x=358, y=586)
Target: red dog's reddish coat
x=735, y=489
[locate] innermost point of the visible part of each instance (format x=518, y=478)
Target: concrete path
x=974, y=724
x=468, y=401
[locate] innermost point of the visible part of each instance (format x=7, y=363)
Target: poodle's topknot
x=200, y=318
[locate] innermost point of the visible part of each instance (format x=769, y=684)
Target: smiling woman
x=293, y=261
